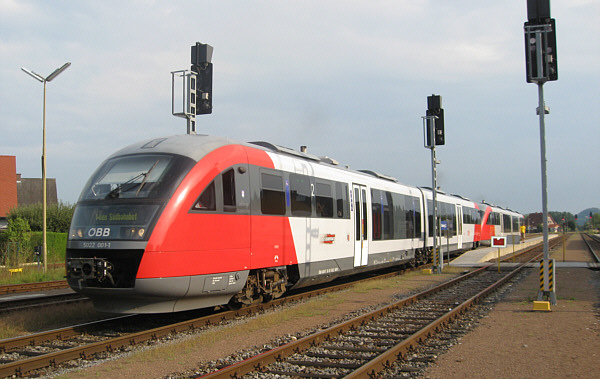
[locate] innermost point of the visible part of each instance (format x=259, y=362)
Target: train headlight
x=76, y=233
x=133, y=233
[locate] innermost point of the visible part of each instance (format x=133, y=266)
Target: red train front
x=148, y=234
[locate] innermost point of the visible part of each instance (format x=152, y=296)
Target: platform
x=477, y=257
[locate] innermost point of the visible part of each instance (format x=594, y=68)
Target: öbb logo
x=98, y=232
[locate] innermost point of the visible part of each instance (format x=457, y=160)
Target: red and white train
x=193, y=221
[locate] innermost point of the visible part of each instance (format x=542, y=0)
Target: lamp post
x=41, y=79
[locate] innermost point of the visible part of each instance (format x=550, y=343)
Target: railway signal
x=433, y=125
x=541, y=66
x=435, y=120
x=196, y=86
x=202, y=66
x=540, y=43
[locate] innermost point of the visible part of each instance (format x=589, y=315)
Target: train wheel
x=234, y=305
x=261, y=286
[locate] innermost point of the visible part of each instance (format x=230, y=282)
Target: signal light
x=540, y=42
x=434, y=108
x=202, y=66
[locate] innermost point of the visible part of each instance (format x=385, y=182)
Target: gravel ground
x=515, y=342
x=510, y=341
x=180, y=357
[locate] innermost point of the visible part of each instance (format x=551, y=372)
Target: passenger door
x=361, y=224
x=459, y=234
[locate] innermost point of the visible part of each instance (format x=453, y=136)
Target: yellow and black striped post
x=547, y=280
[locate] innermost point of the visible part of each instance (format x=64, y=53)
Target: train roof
x=196, y=146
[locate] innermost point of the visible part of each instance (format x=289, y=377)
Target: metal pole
x=44, y=183
x=45, y=80
x=434, y=191
x=542, y=111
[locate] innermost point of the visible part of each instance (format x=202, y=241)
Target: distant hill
x=584, y=215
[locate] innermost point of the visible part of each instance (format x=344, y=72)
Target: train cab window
x=300, y=195
x=207, y=200
x=272, y=196
x=324, y=200
x=229, y=190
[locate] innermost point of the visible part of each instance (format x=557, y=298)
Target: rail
x=280, y=356
x=62, y=337
x=589, y=246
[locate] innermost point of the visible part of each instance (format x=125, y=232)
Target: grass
x=314, y=307
x=20, y=323
x=31, y=274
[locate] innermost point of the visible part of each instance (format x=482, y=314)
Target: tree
x=18, y=240
x=58, y=216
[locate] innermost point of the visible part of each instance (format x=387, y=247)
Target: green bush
x=56, y=244
x=58, y=216
x=17, y=247
x=17, y=244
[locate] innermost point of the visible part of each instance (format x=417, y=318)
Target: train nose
x=95, y=269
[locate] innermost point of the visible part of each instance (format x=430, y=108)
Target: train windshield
x=135, y=177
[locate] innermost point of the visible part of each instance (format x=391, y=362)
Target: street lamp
x=45, y=80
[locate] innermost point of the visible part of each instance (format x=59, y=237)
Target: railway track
x=19, y=296
x=22, y=355
x=32, y=287
x=531, y=253
x=369, y=344
x=24, y=303
x=593, y=244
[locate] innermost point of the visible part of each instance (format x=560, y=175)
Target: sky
x=349, y=79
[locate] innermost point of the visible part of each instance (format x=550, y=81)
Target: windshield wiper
x=115, y=192
x=146, y=175
x=118, y=189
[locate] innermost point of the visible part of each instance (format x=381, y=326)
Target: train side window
x=454, y=222
x=341, y=196
x=506, y=225
x=403, y=216
x=417, y=217
x=388, y=216
x=430, y=217
x=377, y=210
x=272, y=196
x=300, y=195
x=229, y=204
x=324, y=200
x=515, y=224
x=207, y=200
